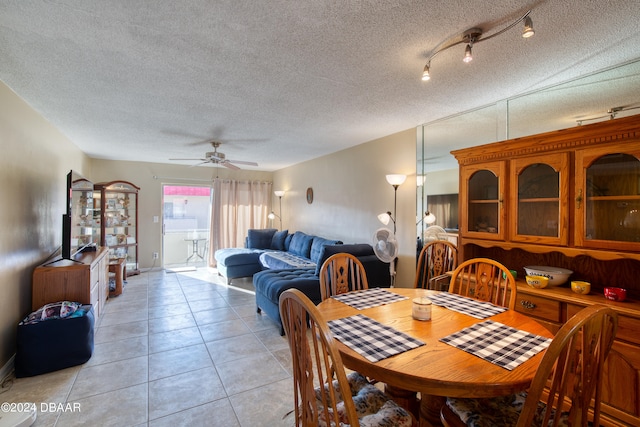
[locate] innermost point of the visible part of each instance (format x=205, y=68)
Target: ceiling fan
x=217, y=158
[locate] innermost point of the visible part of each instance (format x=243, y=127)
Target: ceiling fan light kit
x=473, y=36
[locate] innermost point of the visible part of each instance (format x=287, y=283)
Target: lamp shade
x=271, y=215
x=429, y=218
x=384, y=218
x=396, y=179
x=279, y=193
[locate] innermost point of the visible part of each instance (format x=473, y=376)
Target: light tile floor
x=175, y=349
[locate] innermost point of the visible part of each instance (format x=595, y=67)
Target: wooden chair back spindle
x=315, y=362
x=486, y=280
x=436, y=258
x=341, y=273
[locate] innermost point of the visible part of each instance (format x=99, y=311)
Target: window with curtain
x=445, y=208
x=236, y=207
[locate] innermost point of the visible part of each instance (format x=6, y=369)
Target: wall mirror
x=581, y=101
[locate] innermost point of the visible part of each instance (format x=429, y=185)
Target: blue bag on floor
x=55, y=343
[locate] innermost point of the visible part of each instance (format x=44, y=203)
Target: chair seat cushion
x=496, y=411
x=374, y=408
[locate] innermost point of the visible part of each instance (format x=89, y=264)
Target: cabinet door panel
x=608, y=197
x=483, y=188
x=539, y=199
x=621, y=378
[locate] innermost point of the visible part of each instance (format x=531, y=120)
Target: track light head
x=468, y=57
x=528, y=31
x=425, y=73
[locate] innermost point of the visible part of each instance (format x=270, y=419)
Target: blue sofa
x=270, y=249
x=269, y=284
x=279, y=261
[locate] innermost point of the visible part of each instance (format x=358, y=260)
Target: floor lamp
x=272, y=215
x=395, y=180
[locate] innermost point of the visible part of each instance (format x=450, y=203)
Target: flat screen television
x=77, y=221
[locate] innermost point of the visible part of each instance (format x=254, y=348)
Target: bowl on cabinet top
x=538, y=282
x=615, y=294
x=556, y=275
x=580, y=287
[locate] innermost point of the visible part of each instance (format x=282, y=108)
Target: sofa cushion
x=277, y=242
x=278, y=260
x=356, y=249
x=238, y=256
x=260, y=238
x=301, y=244
x=318, y=245
x=271, y=283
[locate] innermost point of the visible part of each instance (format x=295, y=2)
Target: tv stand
x=83, y=279
x=61, y=259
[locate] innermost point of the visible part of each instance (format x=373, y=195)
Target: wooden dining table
x=437, y=369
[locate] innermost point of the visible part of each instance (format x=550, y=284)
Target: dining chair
x=435, y=259
x=324, y=395
x=486, y=280
x=340, y=273
x=568, y=377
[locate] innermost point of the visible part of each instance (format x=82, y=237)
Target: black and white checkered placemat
x=368, y=298
x=371, y=339
x=465, y=305
x=499, y=344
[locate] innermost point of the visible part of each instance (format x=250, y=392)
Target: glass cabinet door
x=81, y=214
x=608, y=197
x=540, y=192
x=482, y=188
x=119, y=221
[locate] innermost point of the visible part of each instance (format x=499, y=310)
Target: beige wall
x=35, y=160
x=350, y=190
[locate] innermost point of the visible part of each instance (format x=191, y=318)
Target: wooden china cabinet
x=116, y=221
x=570, y=199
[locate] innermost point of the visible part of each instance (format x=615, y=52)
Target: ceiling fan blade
x=198, y=164
x=229, y=165
x=240, y=162
x=202, y=160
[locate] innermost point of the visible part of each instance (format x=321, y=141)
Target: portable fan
x=434, y=232
x=385, y=246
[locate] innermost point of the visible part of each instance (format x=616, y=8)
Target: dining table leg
x=405, y=398
x=430, y=410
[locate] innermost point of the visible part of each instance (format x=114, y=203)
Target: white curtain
x=237, y=207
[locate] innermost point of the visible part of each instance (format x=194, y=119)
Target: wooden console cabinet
x=569, y=199
x=85, y=281
x=621, y=394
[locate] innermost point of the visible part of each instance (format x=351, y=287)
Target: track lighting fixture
x=473, y=36
x=467, y=54
x=425, y=72
x=528, y=28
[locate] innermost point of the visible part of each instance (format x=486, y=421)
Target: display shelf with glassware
x=82, y=213
x=116, y=221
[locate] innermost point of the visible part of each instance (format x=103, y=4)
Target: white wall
x=350, y=189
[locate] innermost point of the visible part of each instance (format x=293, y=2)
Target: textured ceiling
x=280, y=82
